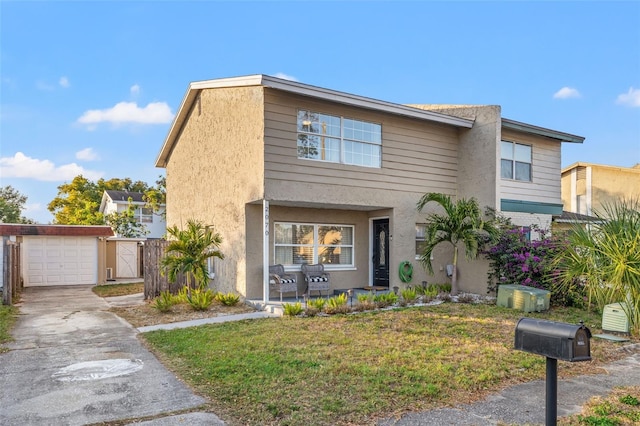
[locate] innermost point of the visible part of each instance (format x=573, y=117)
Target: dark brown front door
x=381, y=252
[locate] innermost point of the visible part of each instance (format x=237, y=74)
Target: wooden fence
x=11, y=274
x=155, y=281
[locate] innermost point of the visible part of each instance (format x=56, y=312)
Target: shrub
x=292, y=309
x=200, y=300
x=514, y=259
x=383, y=300
x=182, y=296
x=365, y=302
x=164, y=301
x=409, y=295
x=337, y=305
x=229, y=299
x=317, y=304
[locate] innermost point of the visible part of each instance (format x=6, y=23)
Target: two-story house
x=588, y=187
x=291, y=173
x=124, y=255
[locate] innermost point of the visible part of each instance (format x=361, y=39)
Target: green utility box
x=529, y=299
x=505, y=295
x=521, y=297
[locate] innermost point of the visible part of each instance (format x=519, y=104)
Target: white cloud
x=129, y=112
x=567, y=93
x=21, y=166
x=285, y=76
x=64, y=82
x=135, y=90
x=631, y=98
x=87, y=154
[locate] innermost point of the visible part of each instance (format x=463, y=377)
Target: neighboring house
x=587, y=187
x=118, y=201
x=124, y=255
x=59, y=254
x=291, y=173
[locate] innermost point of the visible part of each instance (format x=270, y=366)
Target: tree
x=461, y=223
x=188, y=251
x=604, y=258
x=11, y=205
x=157, y=195
x=78, y=202
x=125, y=224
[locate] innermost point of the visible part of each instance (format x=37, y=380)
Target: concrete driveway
x=73, y=363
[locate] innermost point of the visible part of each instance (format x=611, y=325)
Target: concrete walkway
x=73, y=363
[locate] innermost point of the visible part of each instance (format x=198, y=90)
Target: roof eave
x=541, y=131
x=300, y=89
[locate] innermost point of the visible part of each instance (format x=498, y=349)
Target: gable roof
x=123, y=196
x=301, y=89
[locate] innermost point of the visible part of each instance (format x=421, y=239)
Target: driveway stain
x=96, y=370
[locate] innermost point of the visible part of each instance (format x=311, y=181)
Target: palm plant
x=605, y=259
x=188, y=251
x=461, y=223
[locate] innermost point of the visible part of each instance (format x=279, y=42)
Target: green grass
x=618, y=408
x=351, y=369
x=110, y=290
x=7, y=319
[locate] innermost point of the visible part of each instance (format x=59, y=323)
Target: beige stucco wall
x=608, y=184
x=611, y=184
x=215, y=168
x=110, y=251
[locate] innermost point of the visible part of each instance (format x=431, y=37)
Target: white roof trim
x=300, y=89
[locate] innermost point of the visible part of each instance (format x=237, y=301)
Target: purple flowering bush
x=516, y=259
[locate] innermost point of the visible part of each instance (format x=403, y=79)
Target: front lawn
x=354, y=369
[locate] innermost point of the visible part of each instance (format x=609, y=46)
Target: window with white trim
x=298, y=243
x=144, y=215
x=515, y=161
x=337, y=139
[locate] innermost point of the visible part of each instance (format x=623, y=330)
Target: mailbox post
x=556, y=341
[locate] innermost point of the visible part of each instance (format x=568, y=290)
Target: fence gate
x=154, y=280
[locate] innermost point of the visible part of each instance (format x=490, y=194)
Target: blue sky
x=91, y=87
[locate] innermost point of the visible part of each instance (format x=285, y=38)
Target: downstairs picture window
x=298, y=243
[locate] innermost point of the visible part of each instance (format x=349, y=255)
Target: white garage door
x=59, y=260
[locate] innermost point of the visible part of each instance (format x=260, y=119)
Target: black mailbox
x=557, y=340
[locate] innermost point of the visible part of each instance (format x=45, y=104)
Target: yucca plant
x=229, y=299
x=337, y=305
x=292, y=309
x=164, y=301
x=409, y=295
x=200, y=299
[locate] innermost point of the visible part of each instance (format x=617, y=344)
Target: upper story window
x=297, y=243
x=515, y=161
x=338, y=140
x=144, y=215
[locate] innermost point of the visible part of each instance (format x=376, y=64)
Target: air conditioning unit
x=615, y=319
x=109, y=274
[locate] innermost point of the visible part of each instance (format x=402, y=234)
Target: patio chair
x=282, y=282
x=316, y=278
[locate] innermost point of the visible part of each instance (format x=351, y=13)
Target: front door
x=381, y=252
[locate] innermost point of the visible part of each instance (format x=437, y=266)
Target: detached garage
x=60, y=254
